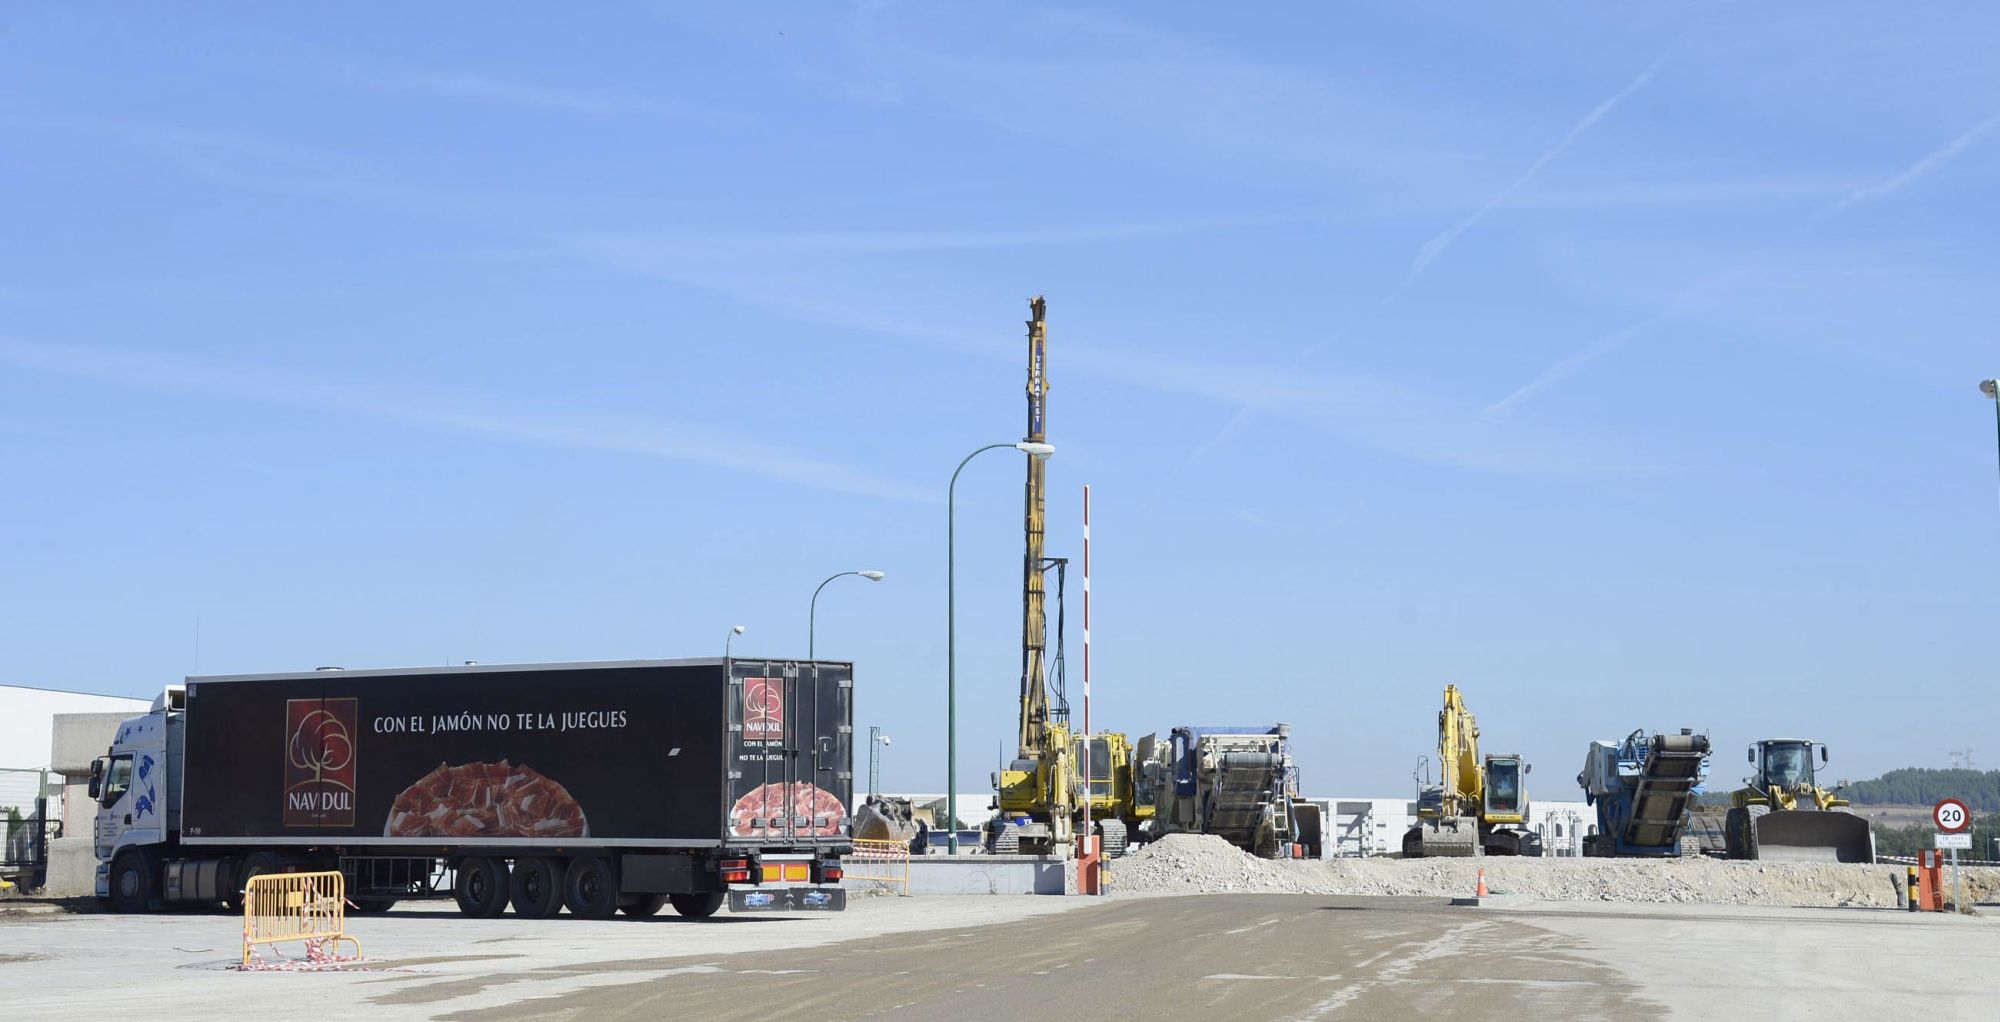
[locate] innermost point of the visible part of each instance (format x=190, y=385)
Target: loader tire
x=1736, y=835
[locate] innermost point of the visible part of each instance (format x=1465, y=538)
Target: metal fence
x=24, y=844
x=883, y=862
x=308, y=907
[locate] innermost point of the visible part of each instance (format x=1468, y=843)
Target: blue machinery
x=1642, y=788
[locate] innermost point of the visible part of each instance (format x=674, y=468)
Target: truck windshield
x=117, y=779
x=1788, y=765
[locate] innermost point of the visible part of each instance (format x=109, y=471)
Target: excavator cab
x=1504, y=786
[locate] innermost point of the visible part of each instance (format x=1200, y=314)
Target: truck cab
x=137, y=792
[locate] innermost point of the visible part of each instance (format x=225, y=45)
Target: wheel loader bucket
x=1813, y=836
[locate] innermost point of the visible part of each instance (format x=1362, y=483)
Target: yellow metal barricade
x=884, y=862
x=309, y=907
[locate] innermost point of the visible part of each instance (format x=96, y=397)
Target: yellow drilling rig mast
x=1041, y=794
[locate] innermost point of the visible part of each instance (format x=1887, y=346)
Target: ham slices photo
x=485, y=800
x=815, y=812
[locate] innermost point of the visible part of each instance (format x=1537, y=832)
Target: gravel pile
x=1203, y=864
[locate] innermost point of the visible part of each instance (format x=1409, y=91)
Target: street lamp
x=734, y=631
x=1991, y=388
x=876, y=739
x=1032, y=450
x=812, y=611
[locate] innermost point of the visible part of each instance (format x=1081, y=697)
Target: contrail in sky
x=1575, y=360
x=1436, y=246
x=1930, y=162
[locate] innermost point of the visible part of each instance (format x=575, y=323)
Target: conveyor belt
x=1660, y=802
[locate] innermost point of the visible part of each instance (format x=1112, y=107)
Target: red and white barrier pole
x=1089, y=864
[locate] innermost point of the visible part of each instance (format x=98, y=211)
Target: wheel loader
x=1783, y=814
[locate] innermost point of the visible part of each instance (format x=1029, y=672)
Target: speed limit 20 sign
x=1951, y=816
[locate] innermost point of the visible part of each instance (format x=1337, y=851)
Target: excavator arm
x=1462, y=777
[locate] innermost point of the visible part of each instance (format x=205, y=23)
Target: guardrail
x=309, y=907
x=883, y=862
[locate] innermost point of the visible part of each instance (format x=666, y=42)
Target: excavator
x=1783, y=814
x=1478, y=807
x=1042, y=796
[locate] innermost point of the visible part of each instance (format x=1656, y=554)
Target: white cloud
x=693, y=443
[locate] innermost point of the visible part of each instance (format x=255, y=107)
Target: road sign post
x=1954, y=824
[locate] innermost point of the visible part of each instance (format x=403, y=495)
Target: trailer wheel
x=481, y=886
x=131, y=882
x=696, y=906
x=644, y=906
x=538, y=887
x=591, y=888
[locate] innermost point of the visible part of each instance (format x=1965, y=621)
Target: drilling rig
x=1043, y=793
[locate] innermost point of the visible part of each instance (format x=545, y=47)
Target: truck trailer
x=596, y=787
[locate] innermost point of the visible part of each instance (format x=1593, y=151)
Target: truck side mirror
x=1527, y=768
x=996, y=780
x=97, y=777
x=1750, y=754
x=1822, y=755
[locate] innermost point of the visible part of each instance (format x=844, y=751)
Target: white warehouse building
x=1361, y=826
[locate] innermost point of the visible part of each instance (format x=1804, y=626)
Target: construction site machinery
x=886, y=818
x=1238, y=783
x=1041, y=796
x=1783, y=813
x=1478, y=807
x=1642, y=788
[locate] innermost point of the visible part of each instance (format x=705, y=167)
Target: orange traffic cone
x=1481, y=892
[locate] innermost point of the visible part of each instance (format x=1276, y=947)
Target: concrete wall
x=27, y=720
x=76, y=739
x=980, y=874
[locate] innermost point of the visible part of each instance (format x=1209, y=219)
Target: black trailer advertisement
x=636, y=754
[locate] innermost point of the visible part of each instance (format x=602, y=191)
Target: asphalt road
x=1218, y=958
x=1212, y=958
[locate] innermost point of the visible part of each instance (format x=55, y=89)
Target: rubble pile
x=1203, y=864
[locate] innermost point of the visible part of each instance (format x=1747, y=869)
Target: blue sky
x=1616, y=366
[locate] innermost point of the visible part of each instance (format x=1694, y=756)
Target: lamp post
x=876, y=740
x=812, y=611
x=1032, y=450
x=734, y=631
x=1991, y=388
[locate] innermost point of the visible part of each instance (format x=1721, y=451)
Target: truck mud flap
x=789, y=899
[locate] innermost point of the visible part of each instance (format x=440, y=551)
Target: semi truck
x=593, y=787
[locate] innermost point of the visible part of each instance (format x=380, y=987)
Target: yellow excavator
x=1041, y=796
x=1478, y=807
x=1783, y=814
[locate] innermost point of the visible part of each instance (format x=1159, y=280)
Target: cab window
x=117, y=779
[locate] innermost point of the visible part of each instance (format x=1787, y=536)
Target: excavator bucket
x=882, y=822
x=1448, y=838
x=1803, y=835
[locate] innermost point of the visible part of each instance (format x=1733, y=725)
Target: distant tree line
x=1980, y=789
x=1906, y=841
x=1912, y=786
